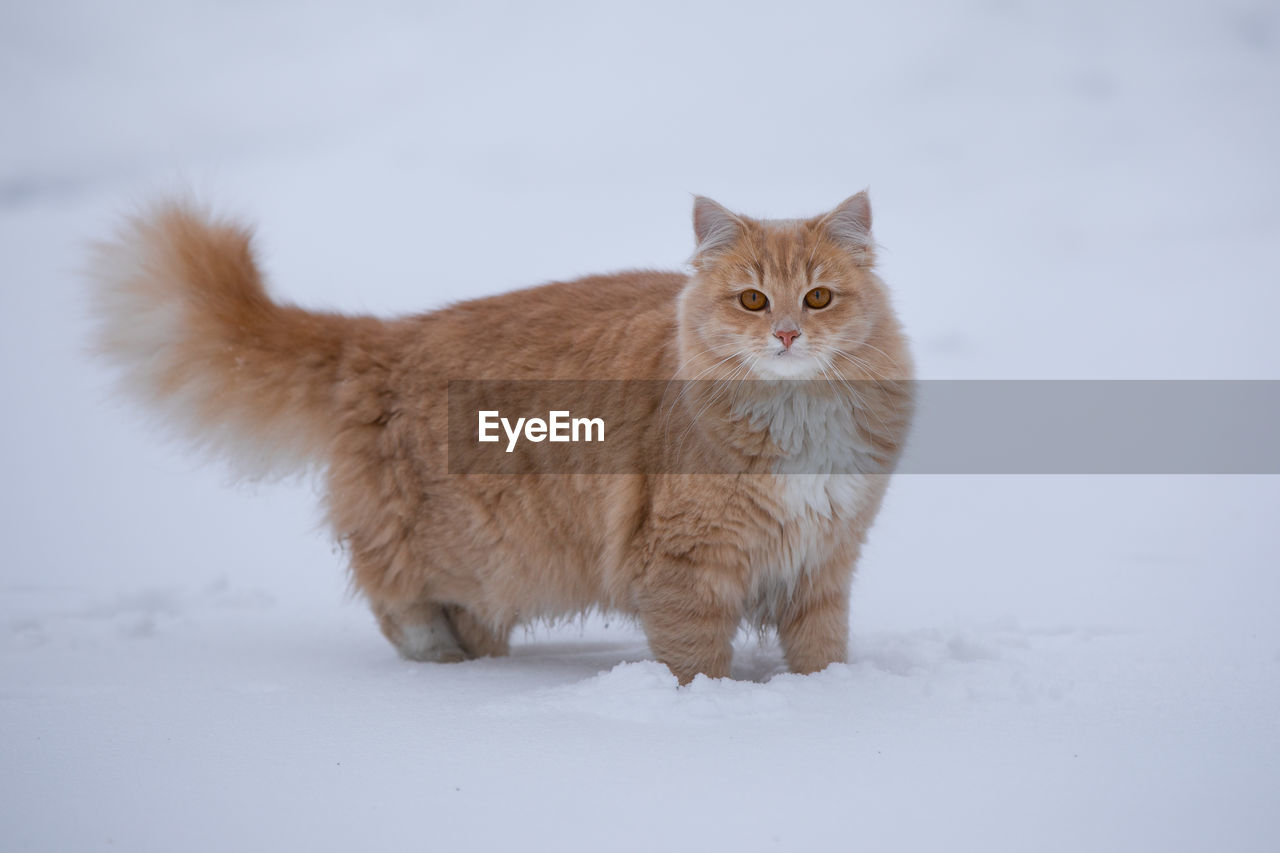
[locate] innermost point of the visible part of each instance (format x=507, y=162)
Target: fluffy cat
x=790, y=312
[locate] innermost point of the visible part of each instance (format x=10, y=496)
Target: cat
x=790, y=312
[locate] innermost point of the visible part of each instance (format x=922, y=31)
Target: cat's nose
x=787, y=337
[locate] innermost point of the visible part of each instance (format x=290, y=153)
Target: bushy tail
x=181, y=309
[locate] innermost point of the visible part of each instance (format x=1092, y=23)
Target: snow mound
x=647, y=692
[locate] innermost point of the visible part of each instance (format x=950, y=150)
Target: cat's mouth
x=787, y=363
x=795, y=352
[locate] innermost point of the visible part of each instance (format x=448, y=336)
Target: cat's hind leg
x=420, y=631
x=477, y=638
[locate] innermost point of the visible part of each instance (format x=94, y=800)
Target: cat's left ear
x=850, y=225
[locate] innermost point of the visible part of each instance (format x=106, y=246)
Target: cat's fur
x=451, y=563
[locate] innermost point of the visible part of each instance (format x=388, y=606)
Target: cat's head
x=783, y=298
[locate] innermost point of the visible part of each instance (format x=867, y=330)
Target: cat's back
x=616, y=326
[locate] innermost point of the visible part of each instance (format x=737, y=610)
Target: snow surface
x=1084, y=190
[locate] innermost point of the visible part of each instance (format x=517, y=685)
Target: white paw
x=430, y=641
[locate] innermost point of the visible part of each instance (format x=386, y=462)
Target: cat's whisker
x=862, y=343
x=863, y=405
x=861, y=363
x=829, y=372
x=711, y=350
x=893, y=361
x=718, y=390
x=688, y=384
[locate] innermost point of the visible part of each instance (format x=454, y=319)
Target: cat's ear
x=713, y=225
x=850, y=225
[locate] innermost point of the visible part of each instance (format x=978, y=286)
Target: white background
x=1083, y=190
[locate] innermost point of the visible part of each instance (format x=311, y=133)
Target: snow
x=1052, y=663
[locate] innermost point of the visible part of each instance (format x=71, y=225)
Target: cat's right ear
x=713, y=225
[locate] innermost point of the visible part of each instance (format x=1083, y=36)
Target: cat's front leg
x=814, y=626
x=689, y=625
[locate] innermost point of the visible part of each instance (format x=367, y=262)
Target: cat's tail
x=181, y=309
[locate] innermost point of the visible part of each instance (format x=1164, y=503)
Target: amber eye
x=819, y=297
x=753, y=300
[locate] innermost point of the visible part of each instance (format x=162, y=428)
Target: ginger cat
x=788, y=312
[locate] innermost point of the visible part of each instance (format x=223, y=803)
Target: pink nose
x=787, y=337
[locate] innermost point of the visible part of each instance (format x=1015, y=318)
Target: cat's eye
x=819, y=297
x=753, y=300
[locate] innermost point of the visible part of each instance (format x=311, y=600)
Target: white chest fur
x=818, y=439
x=819, y=486
x=828, y=497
